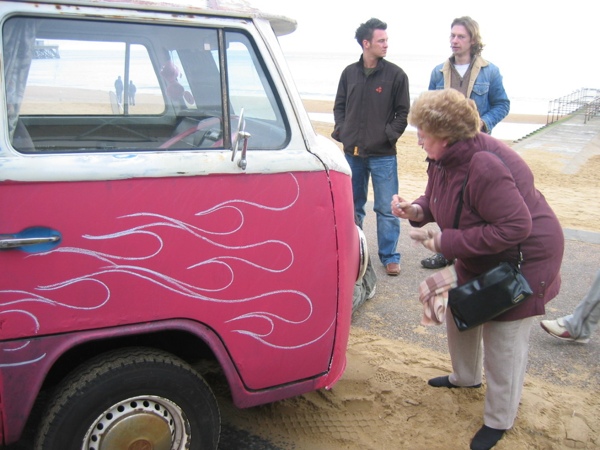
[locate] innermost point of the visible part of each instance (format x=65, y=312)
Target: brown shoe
x=392, y=269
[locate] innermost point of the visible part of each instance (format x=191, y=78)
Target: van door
x=123, y=201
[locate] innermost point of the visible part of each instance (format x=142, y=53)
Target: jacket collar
x=458, y=153
x=478, y=62
x=361, y=63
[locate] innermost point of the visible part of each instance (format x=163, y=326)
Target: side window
x=250, y=91
x=101, y=86
x=74, y=77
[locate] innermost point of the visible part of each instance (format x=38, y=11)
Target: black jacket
x=370, y=112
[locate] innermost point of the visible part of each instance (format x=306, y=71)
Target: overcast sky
x=418, y=26
x=536, y=36
x=535, y=43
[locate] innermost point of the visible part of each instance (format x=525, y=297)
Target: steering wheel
x=203, y=125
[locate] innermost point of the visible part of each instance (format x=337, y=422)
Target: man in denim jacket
x=467, y=72
x=478, y=79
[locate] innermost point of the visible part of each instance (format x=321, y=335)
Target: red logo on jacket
x=379, y=90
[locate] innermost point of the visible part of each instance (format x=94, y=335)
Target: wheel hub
x=140, y=423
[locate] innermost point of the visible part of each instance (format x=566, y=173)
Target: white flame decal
x=123, y=264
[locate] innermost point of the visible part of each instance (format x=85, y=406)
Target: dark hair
x=473, y=29
x=365, y=31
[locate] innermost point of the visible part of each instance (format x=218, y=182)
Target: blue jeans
x=383, y=171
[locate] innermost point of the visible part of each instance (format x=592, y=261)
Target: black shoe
x=445, y=382
x=436, y=261
x=486, y=438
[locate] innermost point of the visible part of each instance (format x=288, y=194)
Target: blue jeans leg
x=384, y=176
x=360, y=186
x=383, y=171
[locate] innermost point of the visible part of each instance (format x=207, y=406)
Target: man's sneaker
x=436, y=261
x=557, y=329
x=372, y=293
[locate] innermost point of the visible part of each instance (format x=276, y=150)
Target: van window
x=71, y=77
x=90, y=86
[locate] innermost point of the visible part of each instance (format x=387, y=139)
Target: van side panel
x=128, y=218
x=253, y=259
x=348, y=253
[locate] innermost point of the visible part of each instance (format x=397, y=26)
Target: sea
x=317, y=75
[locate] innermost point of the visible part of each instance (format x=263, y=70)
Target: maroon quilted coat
x=501, y=209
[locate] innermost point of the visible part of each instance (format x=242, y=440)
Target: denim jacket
x=485, y=88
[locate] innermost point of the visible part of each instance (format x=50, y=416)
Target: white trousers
x=584, y=320
x=506, y=346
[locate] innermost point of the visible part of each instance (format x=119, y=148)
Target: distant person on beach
x=579, y=326
x=370, y=111
x=119, y=89
x=467, y=72
x=131, y=92
x=503, y=216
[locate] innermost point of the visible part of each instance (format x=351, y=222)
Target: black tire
x=131, y=398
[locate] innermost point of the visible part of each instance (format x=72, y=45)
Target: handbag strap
x=460, y=203
x=459, y=211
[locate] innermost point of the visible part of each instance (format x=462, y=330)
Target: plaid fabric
x=433, y=294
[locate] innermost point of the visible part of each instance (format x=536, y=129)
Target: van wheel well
x=137, y=395
x=179, y=343
x=186, y=346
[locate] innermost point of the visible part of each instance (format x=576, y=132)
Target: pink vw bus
x=165, y=203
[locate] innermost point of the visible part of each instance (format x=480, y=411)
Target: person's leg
x=506, y=351
x=466, y=353
x=584, y=320
x=384, y=175
x=360, y=186
x=365, y=289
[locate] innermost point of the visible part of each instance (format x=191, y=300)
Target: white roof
x=235, y=8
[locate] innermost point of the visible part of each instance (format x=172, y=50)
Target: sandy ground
x=383, y=401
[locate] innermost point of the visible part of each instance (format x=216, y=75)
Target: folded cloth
x=433, y=294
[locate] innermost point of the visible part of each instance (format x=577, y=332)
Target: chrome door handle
x=31, y=240
x=13, y=241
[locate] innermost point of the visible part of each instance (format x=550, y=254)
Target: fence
x=584, y=101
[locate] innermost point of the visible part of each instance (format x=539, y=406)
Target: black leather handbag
x=487, y=296
x=490, y=294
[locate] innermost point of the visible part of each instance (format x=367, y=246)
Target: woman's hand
x=405, y=210
x=430, y=239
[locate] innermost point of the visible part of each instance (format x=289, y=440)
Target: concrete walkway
x=576, y=142
x=573, y=139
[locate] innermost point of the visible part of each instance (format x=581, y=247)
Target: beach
x=571, y=195
x=383, y=401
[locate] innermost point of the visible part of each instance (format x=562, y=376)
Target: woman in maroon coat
x=501, y=209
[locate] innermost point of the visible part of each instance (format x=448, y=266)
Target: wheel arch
x=186, y=339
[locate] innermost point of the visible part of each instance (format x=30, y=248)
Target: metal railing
x=585, y=101
x=592, y=109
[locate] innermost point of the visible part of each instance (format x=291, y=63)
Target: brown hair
x=473, y=29
x=445, y=114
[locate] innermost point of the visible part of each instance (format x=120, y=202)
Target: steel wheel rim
x=139, y=423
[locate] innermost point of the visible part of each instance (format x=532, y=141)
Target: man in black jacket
x=370, y=111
